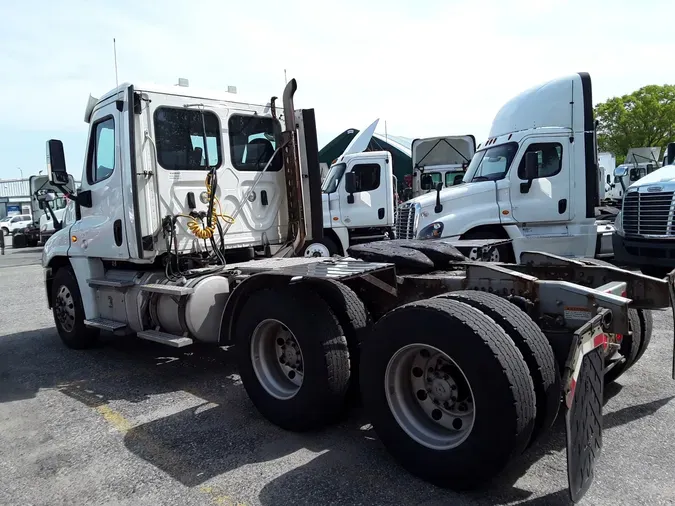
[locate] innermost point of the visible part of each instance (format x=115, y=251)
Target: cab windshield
x=491, y=164
x=330, y=184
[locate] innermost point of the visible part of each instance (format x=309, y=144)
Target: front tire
x=293, y=358
x=323, y=248
x=503, y=253
x=69, y=312
x=459, y=437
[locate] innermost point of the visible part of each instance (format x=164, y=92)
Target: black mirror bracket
x=439, y=207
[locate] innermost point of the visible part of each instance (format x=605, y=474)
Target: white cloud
x=442, y=68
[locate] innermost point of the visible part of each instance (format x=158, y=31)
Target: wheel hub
x=442, y=389
x=277, y=359
x=429, y=396
x=317, y=250
x=64, y=307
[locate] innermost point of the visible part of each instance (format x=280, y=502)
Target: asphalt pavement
x=133, y=422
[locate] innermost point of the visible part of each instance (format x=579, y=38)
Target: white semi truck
x=638, y=163
x=440, y=160
x=534, y=181
x=176, y=181
x=358, y=198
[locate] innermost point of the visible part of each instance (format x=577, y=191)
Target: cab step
x=180, y=291
x=164, y=338
x=111, y=283
x=105, y=324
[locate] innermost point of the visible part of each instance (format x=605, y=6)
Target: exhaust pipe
x=297, y=231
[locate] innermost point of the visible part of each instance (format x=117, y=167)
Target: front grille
x=648, y=214
x=405, y=221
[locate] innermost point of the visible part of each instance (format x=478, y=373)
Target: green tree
x=644, y=118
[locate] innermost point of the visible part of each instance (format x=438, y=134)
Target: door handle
x=562, y=206
x=117, y=232
x=380, y=213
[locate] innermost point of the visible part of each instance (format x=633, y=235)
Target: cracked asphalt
x=133, y=422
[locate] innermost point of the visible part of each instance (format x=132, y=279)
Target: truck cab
x=358, y=201
x=639, y=162
x=533, y=181
x=440, y=160
x=643, y=236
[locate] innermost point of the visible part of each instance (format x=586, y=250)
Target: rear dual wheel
x=448, y=392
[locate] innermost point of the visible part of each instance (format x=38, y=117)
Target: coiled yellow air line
x=199, y=229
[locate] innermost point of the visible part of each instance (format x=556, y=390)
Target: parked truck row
x=192, y=222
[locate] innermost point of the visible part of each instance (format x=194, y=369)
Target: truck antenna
x=117, y=83
x=285, y=78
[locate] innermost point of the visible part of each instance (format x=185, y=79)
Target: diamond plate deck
x=312, y=267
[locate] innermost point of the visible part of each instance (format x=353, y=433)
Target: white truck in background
x=534, y=181
x=358, y=198
x=440, y=160
x=638, y=163
x=606, y=166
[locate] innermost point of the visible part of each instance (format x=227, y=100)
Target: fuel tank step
x=164, y=338
x=105, y=324
x=112, y=283
x=180, y=291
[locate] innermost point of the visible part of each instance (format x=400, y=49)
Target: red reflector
x=570, y=394
x=619, y=337
x=600, y=339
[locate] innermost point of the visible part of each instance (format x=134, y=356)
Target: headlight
x=618, y=223
x=432, y=231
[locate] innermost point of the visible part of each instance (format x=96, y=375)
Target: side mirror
x=439, y=207
x=350, y=186
x=670, y=154
x=531, y=170
x=56, y=163
x=426, y=182
x=609, y=179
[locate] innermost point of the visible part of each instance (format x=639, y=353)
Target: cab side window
x=550, y=159
x=367, y=176
x=101, y=155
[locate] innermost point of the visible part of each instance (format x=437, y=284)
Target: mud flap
x=584, y=385
x=583, y=423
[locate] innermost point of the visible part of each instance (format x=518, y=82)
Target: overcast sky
x=441, y=67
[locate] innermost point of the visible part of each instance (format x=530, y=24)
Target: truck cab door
x=548, y=197
x=100, y=230
x=372, y=204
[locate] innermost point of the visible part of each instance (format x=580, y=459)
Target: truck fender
x=341, y=234
x=239, y=295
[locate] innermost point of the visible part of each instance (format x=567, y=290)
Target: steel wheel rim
x=317, y=249
x=64, y=306
x=277, y=359
x=438, y=414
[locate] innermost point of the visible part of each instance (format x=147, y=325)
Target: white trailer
x=177, y=183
